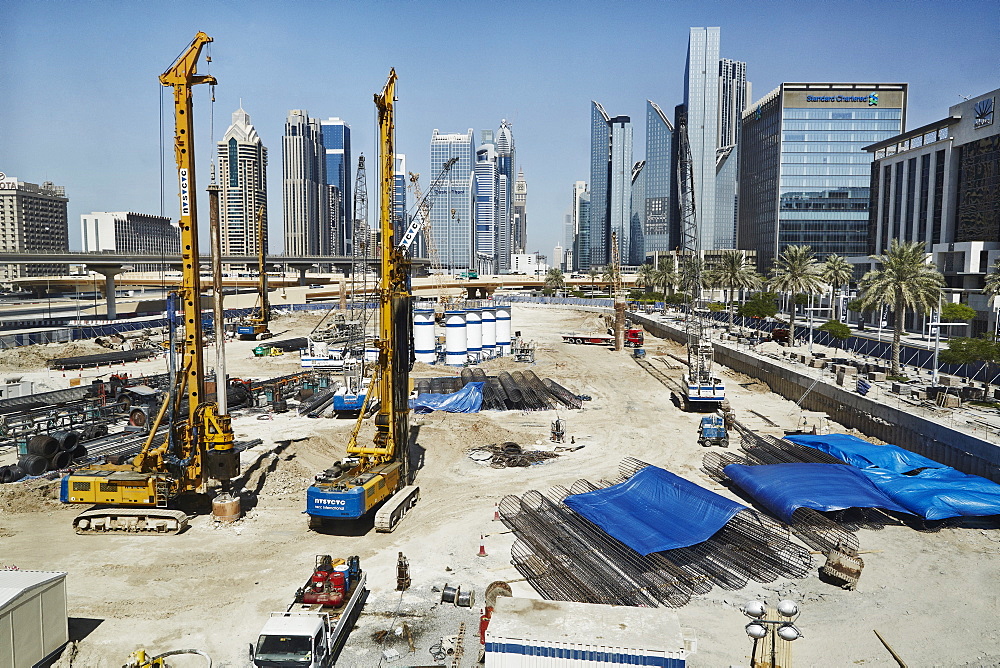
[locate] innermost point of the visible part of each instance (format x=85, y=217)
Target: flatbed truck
x=633, y=338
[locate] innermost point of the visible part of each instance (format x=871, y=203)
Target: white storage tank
x=456, y=352
x=34, y=623
x=489, y=331
x=423, y=335
x=503, y=329
x=474, y=334
x=532, y=633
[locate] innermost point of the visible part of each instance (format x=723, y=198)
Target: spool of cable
x=450, y=594
x=466, y=599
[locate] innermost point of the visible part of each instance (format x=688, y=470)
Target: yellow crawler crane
x=198, y=443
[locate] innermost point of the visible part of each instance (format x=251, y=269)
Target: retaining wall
x=892, y=425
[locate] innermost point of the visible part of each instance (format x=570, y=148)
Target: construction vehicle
x=633, y=338
x=254, y=328
x=199, y=443
x=702, y=390
x=712, y=431
x=138, y=658
x=314, y=628
x=377, y=475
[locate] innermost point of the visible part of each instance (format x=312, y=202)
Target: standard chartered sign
x=871, y=98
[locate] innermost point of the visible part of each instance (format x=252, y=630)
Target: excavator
x=197, y=439
x=377, y=475
x=255, y=327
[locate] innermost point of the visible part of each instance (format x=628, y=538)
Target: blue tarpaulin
x=467, y=400
x=861, y=453
x=931, y=489
x=655, y=510
x=781, y=488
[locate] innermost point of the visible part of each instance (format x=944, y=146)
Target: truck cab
x=299, y=639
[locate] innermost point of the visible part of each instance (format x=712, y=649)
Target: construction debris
x=509, y=455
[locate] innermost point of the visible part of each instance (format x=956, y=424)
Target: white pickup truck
x=310, y=635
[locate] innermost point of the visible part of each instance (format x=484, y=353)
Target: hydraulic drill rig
x=255, y=326
x=378, y=474
x=197, y=443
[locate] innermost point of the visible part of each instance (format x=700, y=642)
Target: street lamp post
x=937, y=325
x=784, y=628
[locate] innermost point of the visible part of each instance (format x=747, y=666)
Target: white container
x=474, y=334
x=456, y=353
x=529, y=633
x=503, y=329
x=423, y=335
x=489, y=331
x=34, y=623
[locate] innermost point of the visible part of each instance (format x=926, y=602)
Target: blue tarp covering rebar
x=782, y=488
x=655, y=510
x=925, y=487
x=467, y=400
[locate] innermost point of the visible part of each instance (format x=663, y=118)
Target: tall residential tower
x=305, y=197
x=451, y=212
x=243, y=176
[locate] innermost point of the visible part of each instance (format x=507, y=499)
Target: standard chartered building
x=804, y=173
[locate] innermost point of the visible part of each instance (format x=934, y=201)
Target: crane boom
x=420, y=219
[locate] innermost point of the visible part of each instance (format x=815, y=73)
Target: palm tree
x=666, y=274
x=554, y=279
x=734, y=272
x=992, y=287
x=904, y=281
x=837, y=272
x=612, y=274
x=646, y=277
x=796, y=271
x=594, y=275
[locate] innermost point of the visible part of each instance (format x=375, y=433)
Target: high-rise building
x=659, y=231
x=734, y=94
x=399, y=208
x=701, y=102
x=337, y=158
x=520, y=225
x=305, y=196
x=506, y=159
x=578, y=232
x=243, y=177
x=487, y=209
x=32, y=218
x=451, y=211
x=127, y=232
x=610, y=185
x=804, y=174
x=636, y=248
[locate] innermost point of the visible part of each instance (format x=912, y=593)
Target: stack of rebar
x=512, y=455
x=520, y=390
x=566, y=557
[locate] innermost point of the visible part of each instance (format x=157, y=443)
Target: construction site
x=469, y=479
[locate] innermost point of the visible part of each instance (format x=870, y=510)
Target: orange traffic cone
x=496, y=512
x=482, y=546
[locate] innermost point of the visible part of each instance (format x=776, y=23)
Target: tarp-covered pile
x=467, y=400
x=783, y=488
x=655, y=510
x=920, y=485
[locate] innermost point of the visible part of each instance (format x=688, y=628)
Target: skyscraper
x=659, y=222
x=32, y=218
x=734, y=94
x=577, y=234
x=701, y=102
x=337, y=156
x=243, y=177
x=400, y=220
x=127, y=233
x=452, y=232
x=486, y=208
x=506, y=158
x=305, y=198
x=520, y=225
x=636, y=247
x=610, y=185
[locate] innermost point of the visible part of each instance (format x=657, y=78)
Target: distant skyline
x=82, y=105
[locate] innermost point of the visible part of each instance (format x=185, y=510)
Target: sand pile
x=29, y=496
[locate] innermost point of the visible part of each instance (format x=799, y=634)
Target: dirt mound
x=29, y=496
x=37, y=356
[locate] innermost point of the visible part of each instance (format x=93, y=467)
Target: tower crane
x=256, y=326
x=420, y=220
x=377, y=474
x=199, y=439
x=703, y=390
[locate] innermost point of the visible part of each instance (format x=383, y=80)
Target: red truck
x=633, y=338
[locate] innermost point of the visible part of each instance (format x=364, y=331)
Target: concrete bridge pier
x=109, y=271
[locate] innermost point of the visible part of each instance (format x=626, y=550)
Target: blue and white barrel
x=456, y=352
x=503, y=329
x=489, y=331
x=474, y=334
x=423, y=335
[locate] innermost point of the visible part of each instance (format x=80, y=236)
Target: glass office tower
x=337, y=147
x=804, y=174
x=659, y=233
x=451, y=212
x=591, y=247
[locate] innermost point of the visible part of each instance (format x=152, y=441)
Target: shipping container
x=34, y=623
x=532, y=633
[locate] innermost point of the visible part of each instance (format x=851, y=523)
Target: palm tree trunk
x=791, y=323
x=729, y=304
x=897, y=332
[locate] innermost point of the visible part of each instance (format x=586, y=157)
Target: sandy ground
x=933, y=596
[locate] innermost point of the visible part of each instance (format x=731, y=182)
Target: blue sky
x=80, y=101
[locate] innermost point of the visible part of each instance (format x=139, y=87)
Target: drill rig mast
x=198, y=444
x=377, y=474
x=256, y=326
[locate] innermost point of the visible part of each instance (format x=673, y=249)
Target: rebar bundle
x=565, y=397
x=511, y=455
x=566, y=557
x=520, y=390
